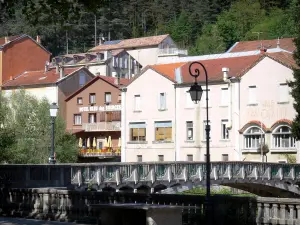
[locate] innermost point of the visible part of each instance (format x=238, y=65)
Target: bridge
x=263, y=179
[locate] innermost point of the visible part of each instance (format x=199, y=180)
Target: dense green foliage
x=295, y=84
x=208, y=26
x=25, y=131
x=223, y=191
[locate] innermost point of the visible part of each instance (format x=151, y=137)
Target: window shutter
x=158, y=101
x=165, y=100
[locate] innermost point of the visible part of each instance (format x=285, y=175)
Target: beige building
x=160, y=123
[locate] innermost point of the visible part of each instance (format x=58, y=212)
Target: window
x=224, y=96
x=160, y=158
x=92, y=118
x=92, y=98
x=81, y=79
x=283, y=93
x=282, y=138
x=139, y=158
x=100, y=145
x=107, y=96
x=77, y=119
x=188, y=101
x=253, y=138
x=163, y=131
x=162, y=101
x=203, y=98
x=224, y=130
x=189, y=158
x=189, y=130
x=79, y=101
x=252, y=95
x=137, y=131
x=204, y=131
x=224, y=157
x=137, y=103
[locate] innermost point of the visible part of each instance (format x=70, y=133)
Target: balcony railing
x=114, y=152
x=172, y=51
x=102, y=126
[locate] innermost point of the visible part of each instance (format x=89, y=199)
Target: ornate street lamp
x=196, y=94
x=53, y=113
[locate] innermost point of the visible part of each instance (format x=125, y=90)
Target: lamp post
x=53, y=112
x=196, y=94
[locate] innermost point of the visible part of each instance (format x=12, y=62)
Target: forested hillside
x=202, y=26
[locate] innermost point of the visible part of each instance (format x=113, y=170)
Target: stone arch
x=254, y=123
x=281, y=122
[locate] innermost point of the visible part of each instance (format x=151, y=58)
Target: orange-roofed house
x=145, y=50
x=93, y=114
x=21, y=53
x=52, y=83
x=249, y=105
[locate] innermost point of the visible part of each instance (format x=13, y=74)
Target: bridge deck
x=22, y=221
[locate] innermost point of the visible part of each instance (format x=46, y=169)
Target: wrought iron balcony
x=102, y=126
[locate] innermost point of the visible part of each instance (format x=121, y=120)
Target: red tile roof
x=132, y=43
x=110, y=80
x=38, y=77
x=280, y=122
x=284, y=43
x=237, y=67
x=10, y=38
x=284, y=58
x=256, y=123
x=167, y=70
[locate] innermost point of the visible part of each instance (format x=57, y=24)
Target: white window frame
x=92, y=98
x=139, y=158
x=137, y=125
x=224, y=136
x=224, y=96
x=277, y=137
x=252, y=95
x=82, y=79
x=79, y=118
x=137, y=102
x=283, y=93
x=94, y=117
x=79, y=100
x=156, y=125
x=162, y=101
x=189, y=130
x=107, y=97
x=248, y=141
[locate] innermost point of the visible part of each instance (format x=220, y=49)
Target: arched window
x=282, y=137
x=253, y=137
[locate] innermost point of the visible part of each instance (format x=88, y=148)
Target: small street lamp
x=53, y=113
x=196, y=94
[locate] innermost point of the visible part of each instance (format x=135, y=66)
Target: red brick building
x=93, y=113
x=21, y=53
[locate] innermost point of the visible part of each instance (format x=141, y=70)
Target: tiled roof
x=255, y=123
x=237, y=67
x=10, y=38
x=110, y=80
x=38, y=77
x=132, y=43
x=279, y=122
x=284, y=43
x=167, y=70
x=284, y=58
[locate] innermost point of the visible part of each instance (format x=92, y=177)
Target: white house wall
x=145, y=56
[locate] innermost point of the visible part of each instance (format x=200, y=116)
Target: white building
x=249, y=101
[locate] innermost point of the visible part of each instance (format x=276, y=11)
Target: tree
x=29, y=123
x=295, y=84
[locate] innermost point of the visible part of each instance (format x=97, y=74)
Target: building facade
x=21, y=53
x=114, y=63
x=94, y=115
x=54, y=84
x=239, y=129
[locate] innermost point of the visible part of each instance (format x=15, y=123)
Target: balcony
x=102, y=126
x=172, y=51
x=101, y=153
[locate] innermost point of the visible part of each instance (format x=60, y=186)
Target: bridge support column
x=152, y=190
x=135, y=190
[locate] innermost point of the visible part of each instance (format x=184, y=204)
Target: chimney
x=117, y=81
x=225, y=71
x=263, y=50
x=101, y=40
x=6, y=40
x=61, y=72
x=56, y=68
x=278, y=42
x=38, y=39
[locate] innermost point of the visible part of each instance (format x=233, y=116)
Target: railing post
x=266, y=213
x=259, y=216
